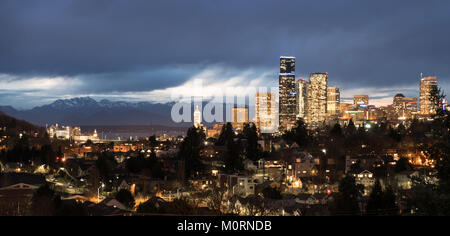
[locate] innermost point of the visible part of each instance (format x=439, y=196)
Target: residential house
x=16, y=192
x=237, y=184
x=365, y=178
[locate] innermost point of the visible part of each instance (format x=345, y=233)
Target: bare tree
x=255, y=205
x=215, y=199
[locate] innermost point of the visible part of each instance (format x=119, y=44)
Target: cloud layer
x=124, y=49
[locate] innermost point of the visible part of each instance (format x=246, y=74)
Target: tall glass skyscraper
x=301, y=86
x=266, y=112
x=316, y=105
x=427, y=106
x=287, y=93
x=360, y=100
x=197, y=117
x=333, y=101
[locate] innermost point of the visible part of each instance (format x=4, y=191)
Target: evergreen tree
x=233, y=158
x=336, y=131
x=233, y=155
x=152, y=141
x=350, y=129
x=381, y=202
x=251, y=134
x=299, y=134
x=125, y=197
x=402, y=165
x=42, y=202
x=226, y=134
x=190, y=149
x=389, y=202
x=154, y=165
x=430, y=198
x=436, y=97
x=346, y=201
x=375, y=204
x=105, y=164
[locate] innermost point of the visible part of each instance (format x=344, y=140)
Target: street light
x=98, y=192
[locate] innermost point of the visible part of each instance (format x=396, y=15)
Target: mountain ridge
x=14, y=125
x=88, y=111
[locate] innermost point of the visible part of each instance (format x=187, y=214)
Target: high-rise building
x=215, y=131
x=427, y=85
x=360, y=101
x=287, y=93
x=398, y=101
x=343, y=108
x=266, y=112
x=405, y=107
x=301, y=92
x=389, y=113
x=197, y=117
x=316, y=104
x=410, y=103
x=375, y=113
x=333, y=101
x=240, y=117
x=59, y=132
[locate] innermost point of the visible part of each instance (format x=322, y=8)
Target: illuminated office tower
x=410, y=104
x=287, y=95
x=405, y=107
x=266, y=112
x=343, y=108
x=197, y=117
x=360, y=101
x=316, y=104
x=300, y=88
x=427, y=106
x=240, y=117
x=375, y=113
x=333, y=101
x=398, y=101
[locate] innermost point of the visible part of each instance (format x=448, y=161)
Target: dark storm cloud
x=137, y=80
x=133, y=45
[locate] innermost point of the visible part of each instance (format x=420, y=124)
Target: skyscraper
x=316, y=104
x=240, y=117
x=427, y=106
x=300, y=88
x=360, y=100
x=398, y=101
x=333, y=101
x=197, y=117
x=287, y=94
x=265, y=112
x=405, y=107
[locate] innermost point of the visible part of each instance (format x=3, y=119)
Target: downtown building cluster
x=71, y=133
x=319, y=104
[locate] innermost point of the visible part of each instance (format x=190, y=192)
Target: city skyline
x=203, y=111
x=105, y=59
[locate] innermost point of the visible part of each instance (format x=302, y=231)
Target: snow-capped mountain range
x=88, y=111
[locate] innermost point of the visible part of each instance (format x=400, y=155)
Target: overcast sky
x=144, y=50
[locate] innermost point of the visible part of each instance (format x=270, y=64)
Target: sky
x=140, y=50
